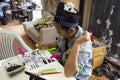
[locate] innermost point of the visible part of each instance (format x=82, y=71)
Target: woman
x=74, y=43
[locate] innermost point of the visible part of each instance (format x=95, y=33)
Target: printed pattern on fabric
x=84, y=57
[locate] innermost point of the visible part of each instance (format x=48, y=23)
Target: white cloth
x=3, y=4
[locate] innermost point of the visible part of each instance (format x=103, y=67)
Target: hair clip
x=69, y=6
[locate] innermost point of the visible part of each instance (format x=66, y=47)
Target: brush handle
x=34, y=76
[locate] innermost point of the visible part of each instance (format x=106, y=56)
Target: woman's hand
x=71, y=65
x=43, y=45
x=85, y=37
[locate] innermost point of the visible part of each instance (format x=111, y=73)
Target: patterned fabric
x=84, y=57
x=62, y=20
x=3, y=5
x=67, y=15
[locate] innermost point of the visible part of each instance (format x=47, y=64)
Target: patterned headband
x=62, y=20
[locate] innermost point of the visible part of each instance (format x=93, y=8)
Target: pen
x=50, y=73
x=49, y=69
x=34, y=76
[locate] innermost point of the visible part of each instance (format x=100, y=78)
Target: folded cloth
x=3, y=5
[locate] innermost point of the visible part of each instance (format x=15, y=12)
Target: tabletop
x=22, y=76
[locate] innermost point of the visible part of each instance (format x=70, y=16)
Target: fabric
x=62, y=20
x=7, y=0
x=3, y=5
x=84, y=58
x=67, y=15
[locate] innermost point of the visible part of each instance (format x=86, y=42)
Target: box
x=13, y=65
x=98, y=52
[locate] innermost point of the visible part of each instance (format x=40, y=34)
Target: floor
x=16, y=27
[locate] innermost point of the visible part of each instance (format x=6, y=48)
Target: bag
x=98, y=52
x=98, y=56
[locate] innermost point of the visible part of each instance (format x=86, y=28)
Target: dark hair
x=67, y=28
x=71, y=17
x=66, y=18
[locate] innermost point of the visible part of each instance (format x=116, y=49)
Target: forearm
x=71, y=63
x=70, y=67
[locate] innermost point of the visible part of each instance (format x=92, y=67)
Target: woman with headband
x=73, y=44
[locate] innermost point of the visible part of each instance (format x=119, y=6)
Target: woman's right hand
x=43, y=45
x=85, y=37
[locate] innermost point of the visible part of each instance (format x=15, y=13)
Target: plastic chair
x=7, y=39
